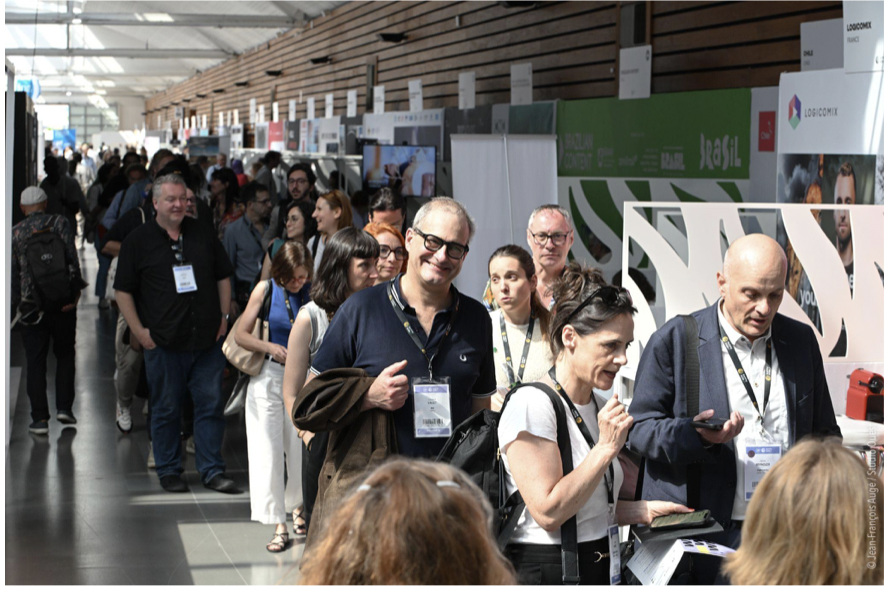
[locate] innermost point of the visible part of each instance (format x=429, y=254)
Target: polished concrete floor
x=83, y=508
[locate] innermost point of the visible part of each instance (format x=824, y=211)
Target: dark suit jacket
x=662, y=432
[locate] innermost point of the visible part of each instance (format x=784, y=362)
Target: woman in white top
x=348, y=266
x=332, y=213
x=520, y=324
x=589, y=335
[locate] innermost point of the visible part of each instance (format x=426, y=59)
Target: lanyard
x=288, y=306
x=406, y=324
x=504, y=340
x=744, y=378
x=583, y=428
x=179, y=249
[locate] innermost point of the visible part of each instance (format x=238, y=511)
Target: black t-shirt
x=366, y=334
x=177, y=321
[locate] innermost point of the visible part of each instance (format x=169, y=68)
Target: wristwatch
x=227, y=317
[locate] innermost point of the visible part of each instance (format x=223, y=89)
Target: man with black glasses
x=243, y=241
x=173, y=288
x=550, y=237
x=429, y=345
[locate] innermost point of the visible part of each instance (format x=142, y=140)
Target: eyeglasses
x=179, y=255
x=399, y=253
x=263, y=202
x=609, y=295
x=302, y=181
x=433, y=243
x=559, y=238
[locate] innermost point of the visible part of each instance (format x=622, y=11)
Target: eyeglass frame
x=547, y=237
x=442, y=243
x=399, y=249
x=598, y=292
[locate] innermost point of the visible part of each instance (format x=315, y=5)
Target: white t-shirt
x=537, y=364
x=530, y=410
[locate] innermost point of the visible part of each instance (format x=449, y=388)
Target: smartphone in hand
x=712, y=424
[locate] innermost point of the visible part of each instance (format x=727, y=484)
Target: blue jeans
x=171, y=374
x=101, y=278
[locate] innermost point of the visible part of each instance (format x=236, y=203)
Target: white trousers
x=272, y=443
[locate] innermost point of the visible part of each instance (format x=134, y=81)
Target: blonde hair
x=809, y=521
x=411, y=522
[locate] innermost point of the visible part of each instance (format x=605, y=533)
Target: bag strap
x=691, y=378
x=265, y=305
x=569, y=529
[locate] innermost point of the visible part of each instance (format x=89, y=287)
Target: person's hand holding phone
x=730, y=429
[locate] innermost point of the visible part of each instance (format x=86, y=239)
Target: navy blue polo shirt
x=365, y=333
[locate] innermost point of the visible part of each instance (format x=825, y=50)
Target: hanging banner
x=292, y=110
x=635, y=72
x=378, y=100
x=416, y=102
x=467, y=95
x=683, y=147
x=352, y=103
x=330, y=105
x=821, y=45
x=521, y=83
x=252, y=111
x=275, y=111
x=311, y=112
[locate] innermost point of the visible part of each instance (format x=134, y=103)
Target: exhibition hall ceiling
x=134, y=49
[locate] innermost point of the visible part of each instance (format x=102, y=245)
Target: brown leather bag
x=247, y=361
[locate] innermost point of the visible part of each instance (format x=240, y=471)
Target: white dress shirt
x=775, y=419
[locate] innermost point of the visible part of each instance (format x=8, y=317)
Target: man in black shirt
x=173, y=288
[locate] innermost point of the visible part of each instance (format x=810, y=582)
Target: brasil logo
x=794, y=112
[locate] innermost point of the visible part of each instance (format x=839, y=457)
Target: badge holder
x=614, y=548
x=758, y=453
x=185, y=281
x=432, y=407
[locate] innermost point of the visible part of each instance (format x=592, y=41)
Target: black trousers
x=543, y=564
x=61, y=328
x=311, y=465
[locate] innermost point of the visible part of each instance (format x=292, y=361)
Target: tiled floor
x=83, y=508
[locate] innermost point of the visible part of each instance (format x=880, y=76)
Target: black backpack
x=473, y=448
x=48, y=265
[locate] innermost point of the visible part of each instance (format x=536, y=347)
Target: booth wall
x=573, y=47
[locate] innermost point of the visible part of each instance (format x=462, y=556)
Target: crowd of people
x=370, y=358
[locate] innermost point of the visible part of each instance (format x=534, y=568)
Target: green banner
x=677, y=135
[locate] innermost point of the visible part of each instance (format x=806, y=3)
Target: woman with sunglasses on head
x=392, y=256
x=270, y=436
x=520, y=322
x=348, y=266
x=591, y=328
x=299, y=226
x=332, y=213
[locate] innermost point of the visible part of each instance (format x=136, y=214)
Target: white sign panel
x=310, y=109
x=416, y=102
x=275, y=111
x=221, y=119
x=252, y=110
x=863, y=36
x=330, y=105
x=378, y=100
x=292, y=110
x=521, y=83
x=467, y=84
x=635, y=72
x=204, y=126
x=352, y=103
x=193, y=122
x=830, y=112
x=236, y=116
x=821, y=45
x=261, y=113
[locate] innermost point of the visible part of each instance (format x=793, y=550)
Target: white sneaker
x=189, y=446
x=124, y=418
x=151, y=463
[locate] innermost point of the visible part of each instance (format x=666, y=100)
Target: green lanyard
x=744, y=378
x=504, y=340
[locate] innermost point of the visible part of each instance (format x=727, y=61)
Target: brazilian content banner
x=702, y=135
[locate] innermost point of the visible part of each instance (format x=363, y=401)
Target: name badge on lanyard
x=432, y=405
x=757, y=456
x=185, y=281
x=614, y=548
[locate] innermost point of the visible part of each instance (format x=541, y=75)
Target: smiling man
x=761, y=375
x=429, y=346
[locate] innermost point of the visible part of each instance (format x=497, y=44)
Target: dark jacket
x=662, y=432
x=359, y=441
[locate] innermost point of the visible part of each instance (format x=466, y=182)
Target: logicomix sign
x=830, y=112
x=863, y=36
x=677, y=135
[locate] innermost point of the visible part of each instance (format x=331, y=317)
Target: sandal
x=278, y=543
x=299, y=526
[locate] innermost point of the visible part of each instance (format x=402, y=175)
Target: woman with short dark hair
x=348, y=266
x=299, y=226
x=272, y=442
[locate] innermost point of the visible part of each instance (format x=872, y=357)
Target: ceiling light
x=321, y=60
x=201, y=95
x=392, y=37
x=219, y=90
x=241, y=84
x=76, y=21
x=68, y=93
x=273, y=73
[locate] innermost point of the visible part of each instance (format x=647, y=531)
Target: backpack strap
x=691, y=377
x=569, y=529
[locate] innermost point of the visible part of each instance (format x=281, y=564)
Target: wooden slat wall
x=572, y=46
